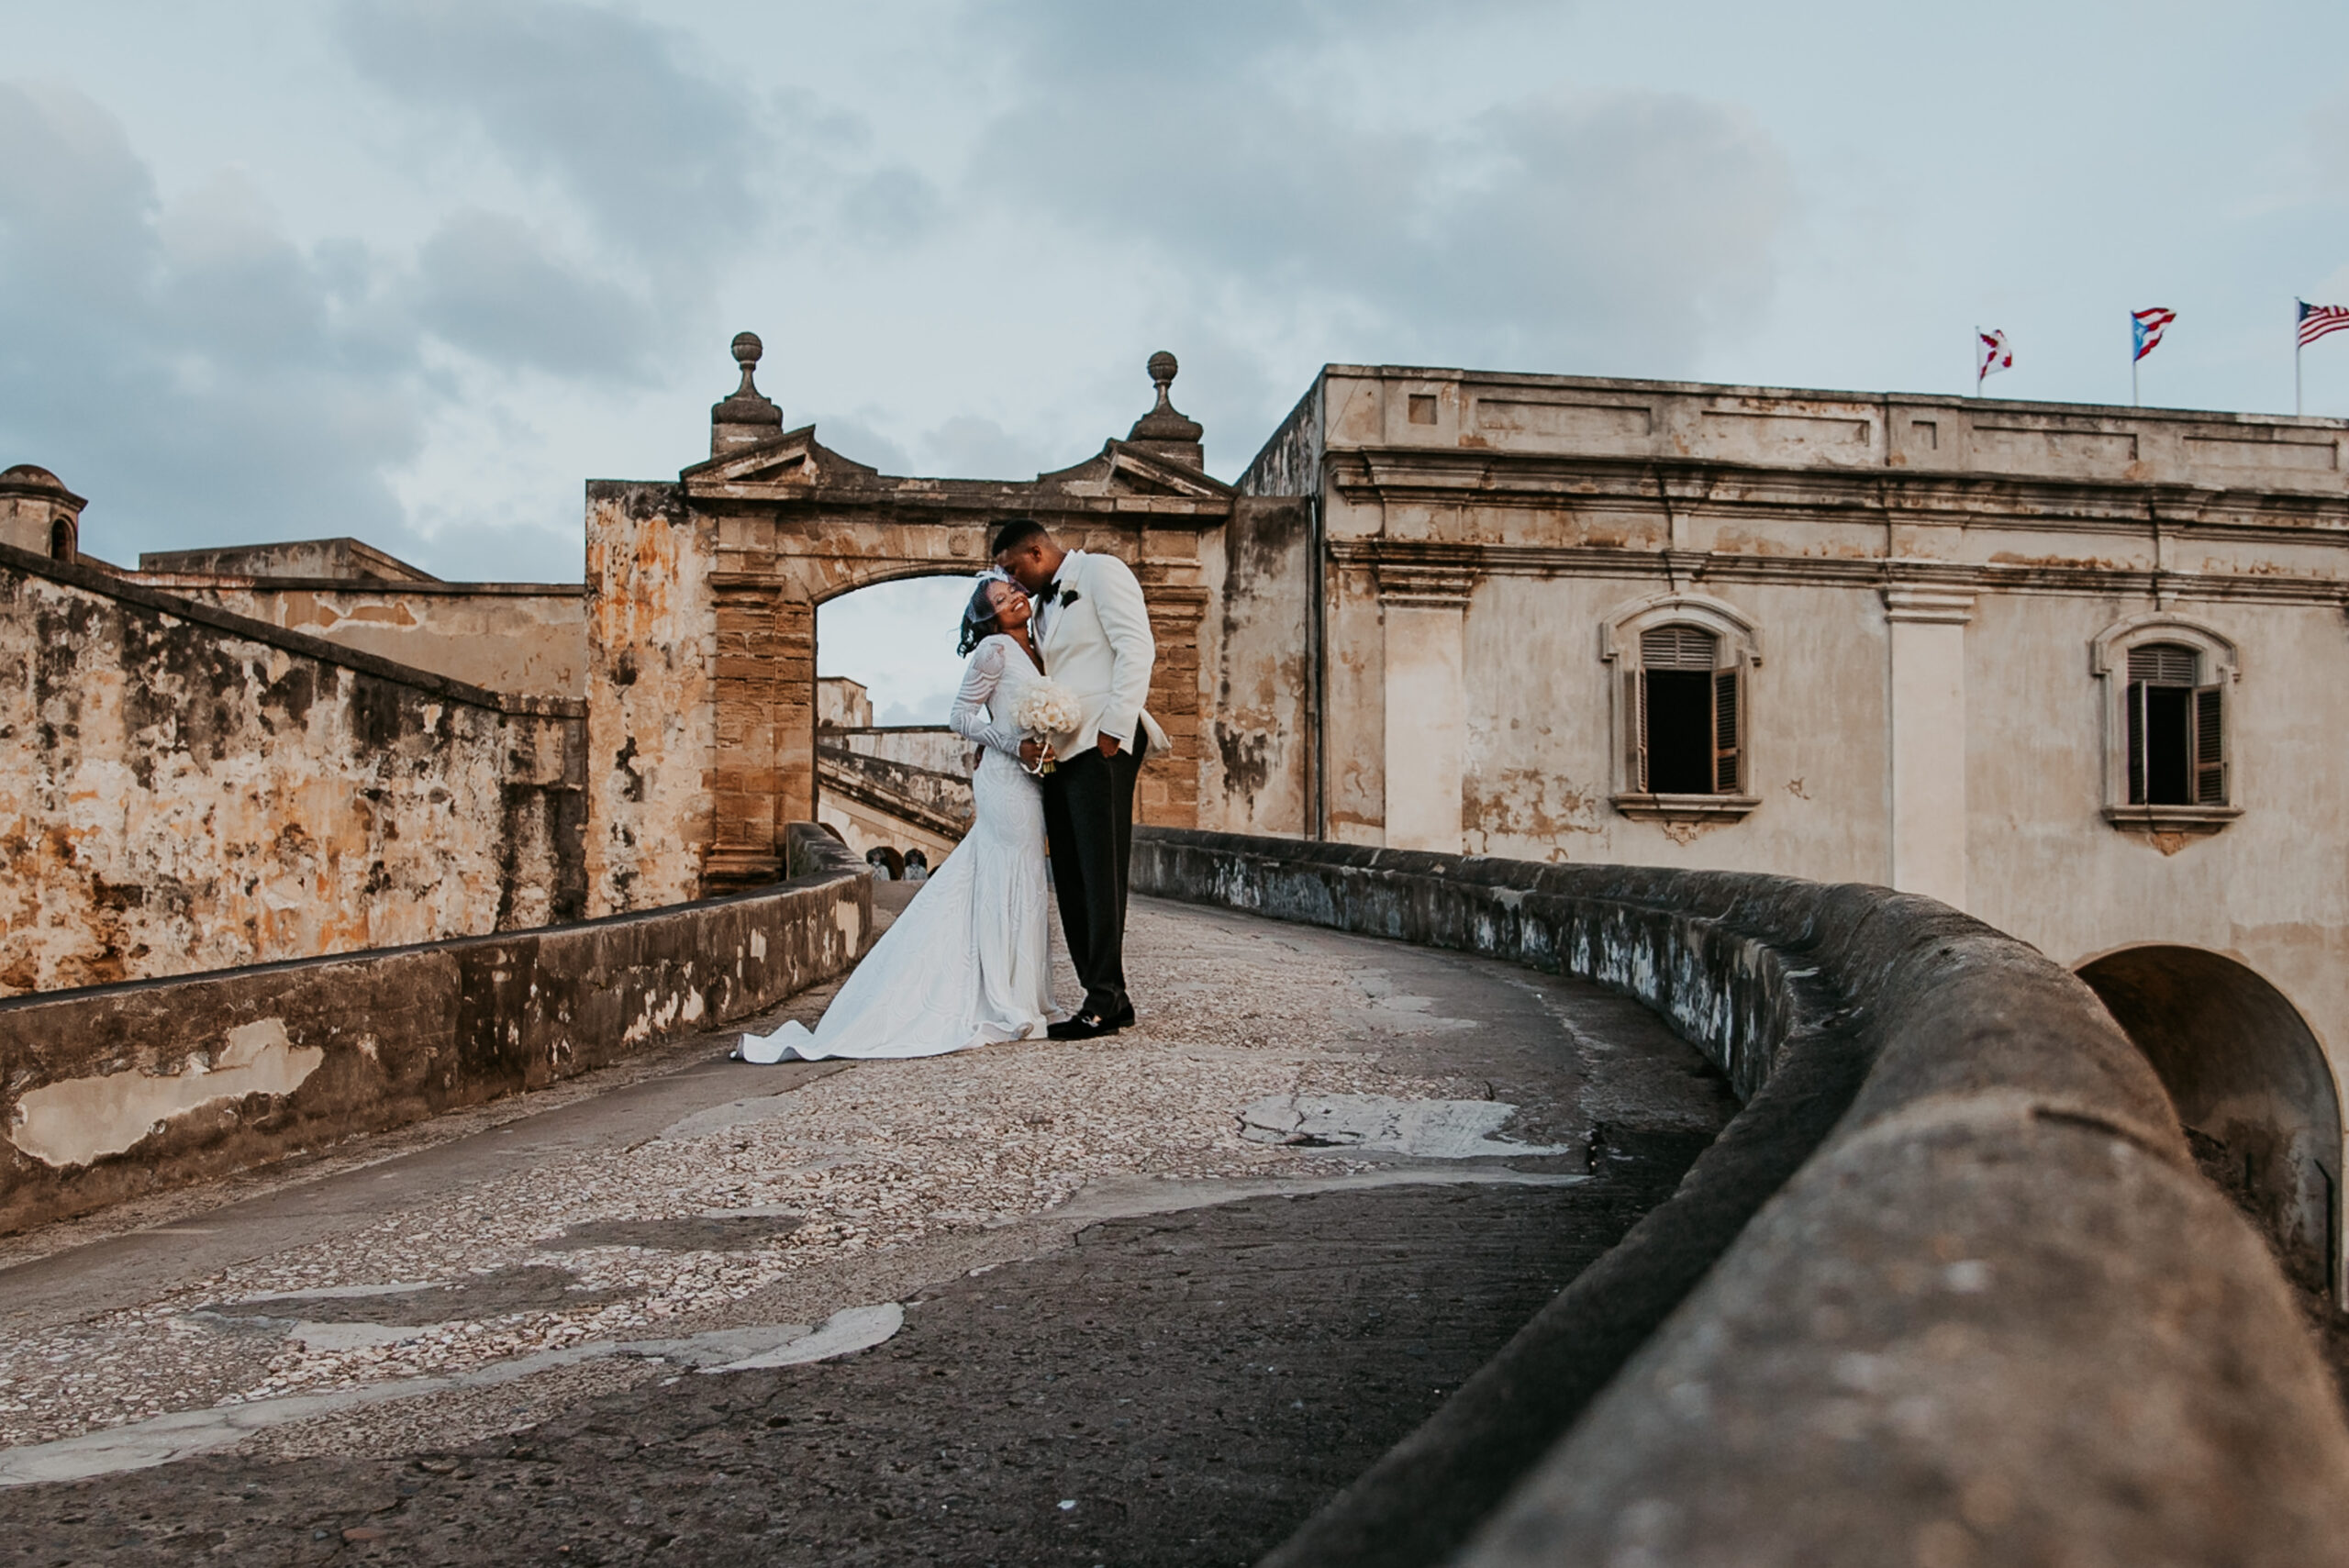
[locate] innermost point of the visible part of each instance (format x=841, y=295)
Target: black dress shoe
x=1125, y=1019
x=1085, y=1026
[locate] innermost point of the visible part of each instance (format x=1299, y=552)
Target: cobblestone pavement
x=1108, y=1233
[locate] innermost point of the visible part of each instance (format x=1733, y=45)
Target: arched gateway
x=702, y=625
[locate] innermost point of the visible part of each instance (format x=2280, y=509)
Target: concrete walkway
x=1151, y=1299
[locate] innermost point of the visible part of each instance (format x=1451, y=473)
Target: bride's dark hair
x=978, y=617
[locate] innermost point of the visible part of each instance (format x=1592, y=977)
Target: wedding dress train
x=969, y=962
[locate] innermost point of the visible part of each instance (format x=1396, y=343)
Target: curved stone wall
x=1949, y=1289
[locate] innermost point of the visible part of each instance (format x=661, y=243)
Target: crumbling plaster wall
x=652, y=721
x=186, y=790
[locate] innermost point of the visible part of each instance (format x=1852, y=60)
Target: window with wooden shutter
x=2209, y=748
x=2171, y=759
x=1726, y=769
x=2170, y=749
x=1678, y=725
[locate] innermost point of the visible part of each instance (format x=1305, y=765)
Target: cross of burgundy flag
x=1991, y=355
x=2146, y=327
x=2316, y=320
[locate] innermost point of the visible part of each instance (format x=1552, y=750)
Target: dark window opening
x=1690, y=714
x=1680, y=732
x=2176, y=730
x=60, y=540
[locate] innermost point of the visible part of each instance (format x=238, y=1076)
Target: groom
x=1094, y=640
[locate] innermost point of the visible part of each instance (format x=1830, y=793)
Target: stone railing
x=1947, y=1290
x=118, y=1090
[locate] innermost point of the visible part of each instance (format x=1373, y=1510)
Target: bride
x=969, y=961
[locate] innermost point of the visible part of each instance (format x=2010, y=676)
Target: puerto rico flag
x=2146, y=327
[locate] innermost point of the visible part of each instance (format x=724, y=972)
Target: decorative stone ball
x=747, y=348
x=1163, y=367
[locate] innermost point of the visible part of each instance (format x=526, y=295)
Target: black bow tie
x=1050, y=594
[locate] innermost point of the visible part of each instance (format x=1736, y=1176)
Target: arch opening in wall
x=60, y=540
x=889, y=772
x=2251, y=1085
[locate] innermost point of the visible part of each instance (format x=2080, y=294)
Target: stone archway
x=2251, y=1085
x=702, y=625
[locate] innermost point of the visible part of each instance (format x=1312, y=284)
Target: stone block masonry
x=115, y=1092
x=187, y=789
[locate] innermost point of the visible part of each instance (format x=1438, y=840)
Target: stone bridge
x=1441, y=1209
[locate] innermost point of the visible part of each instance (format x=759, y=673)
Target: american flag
x=2316, y=320
x=2147, y=326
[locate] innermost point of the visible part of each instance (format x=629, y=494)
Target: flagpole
x=2299, y=306
x=1978, y=362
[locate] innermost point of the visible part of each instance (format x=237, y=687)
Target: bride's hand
x=1032, y=753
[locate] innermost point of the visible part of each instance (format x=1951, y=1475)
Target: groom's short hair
x=1017, y=532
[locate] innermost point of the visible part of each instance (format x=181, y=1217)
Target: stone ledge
x=240, y=1067
x=1949, y=1270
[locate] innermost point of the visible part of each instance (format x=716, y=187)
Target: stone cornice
x=961, y=504
x=1403, y=562
x=1520, y=480
x=1930, y=605
x=1431, y=576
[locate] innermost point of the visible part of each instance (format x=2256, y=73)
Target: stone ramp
x=1141, y=1238
x=1192, y=1386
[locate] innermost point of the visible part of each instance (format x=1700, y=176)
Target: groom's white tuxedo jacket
x=1097, y=643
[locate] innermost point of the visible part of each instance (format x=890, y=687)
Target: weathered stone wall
x=653, y=725
x=341, y=559
x=945, y=798
x=122, y=1090
x=191, y=789
x=1947, y=1289
x=1263, y=724
x=931, y=746
x=1931, y=601
x=525, y=639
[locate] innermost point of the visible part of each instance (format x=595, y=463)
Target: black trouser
x=1089, y=823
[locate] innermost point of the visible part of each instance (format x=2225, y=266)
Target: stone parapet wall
x=118, y=1091
x=1948, y=1289
x=189, y=789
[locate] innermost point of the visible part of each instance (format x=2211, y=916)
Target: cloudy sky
x=413, y=270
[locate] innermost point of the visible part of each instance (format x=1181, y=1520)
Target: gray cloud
x=490, y=284
x=1567, y=231
x=194, y=373
x=605, y=106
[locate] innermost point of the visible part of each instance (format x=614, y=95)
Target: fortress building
x=2080, y=672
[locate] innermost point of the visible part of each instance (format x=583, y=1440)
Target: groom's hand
x=1109, y=744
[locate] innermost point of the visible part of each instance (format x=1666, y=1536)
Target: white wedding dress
x=969, y=962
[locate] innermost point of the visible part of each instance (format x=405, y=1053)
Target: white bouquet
x=1045, y=709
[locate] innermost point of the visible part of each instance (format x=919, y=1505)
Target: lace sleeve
x=970, y=717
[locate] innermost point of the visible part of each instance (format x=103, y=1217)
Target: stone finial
x=38, y=513
x=747, y=418
x=1163, y=430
